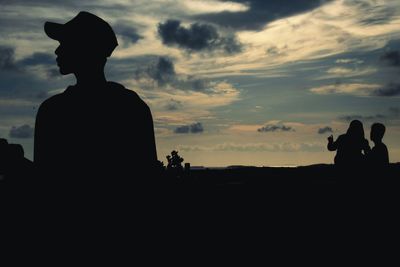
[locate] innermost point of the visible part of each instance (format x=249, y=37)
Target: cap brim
x=53, y=30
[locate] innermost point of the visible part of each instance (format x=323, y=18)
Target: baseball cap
x=86, y=30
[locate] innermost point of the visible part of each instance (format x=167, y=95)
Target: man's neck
x=90, y=80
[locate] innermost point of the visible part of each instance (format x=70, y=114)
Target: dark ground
x=321, y=175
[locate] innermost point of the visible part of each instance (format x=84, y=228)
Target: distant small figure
x=379, y=156
x=174, y=161
x=351, y=147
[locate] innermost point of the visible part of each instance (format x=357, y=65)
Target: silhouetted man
x=378, y=157
x=95, y=130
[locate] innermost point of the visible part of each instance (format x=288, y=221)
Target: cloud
x=276, y=51
x=7, y=60
x=161, y=71
x=8, y=63
x=24, y=131
x=213, y=6
x=392, y=113
x=362, y=118
x=182, y=129
x=347, y=72
x=257, y=147
x=391, y=89
x=38, y=58
x=275, y=128
x=192, y=128
x=259, y=13
x=173, y=105
x=197, y=37
x=357, y=89
x=349, y=61
x=196, y=128
x=375, y=13
x=391, y=58
x=127, y=33
x=325, y=130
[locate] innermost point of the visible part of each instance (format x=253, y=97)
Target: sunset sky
x=259, y=83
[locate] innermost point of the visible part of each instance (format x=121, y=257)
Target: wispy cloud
x=390, y=114
x=391, y=89
x=349, y=61
x=346, y=72
x=357, y=89
x=254, y=147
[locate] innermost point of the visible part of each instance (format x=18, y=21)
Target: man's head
x=85, y=42
x=377, y=132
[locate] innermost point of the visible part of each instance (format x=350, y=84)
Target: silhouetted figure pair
x=353, y=149
x=96, y=131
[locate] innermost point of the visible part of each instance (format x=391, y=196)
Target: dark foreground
x=321, y=175
x=242, y=193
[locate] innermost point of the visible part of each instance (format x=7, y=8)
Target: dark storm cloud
x=162, y=71
x=193, y=128
x=182, y=129
x=391, y=89
x=38, y=58
x=391, y=58
x=260, y=13
x=19, y=82
x=325, y=130
x=128, y=33
x=7, y=60
x=197, y=37
x=154, y=71
x=275, y=128
x=24, y=131
x=196, y=128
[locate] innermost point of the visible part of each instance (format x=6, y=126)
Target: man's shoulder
x=127, y=94
x=379, y=149
x=54, y=101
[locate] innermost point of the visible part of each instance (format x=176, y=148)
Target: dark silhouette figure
x=378, y=157
x=95, y=131
x=350, y=146
x=174, y=167
x=174, y=161
x=14, y=167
